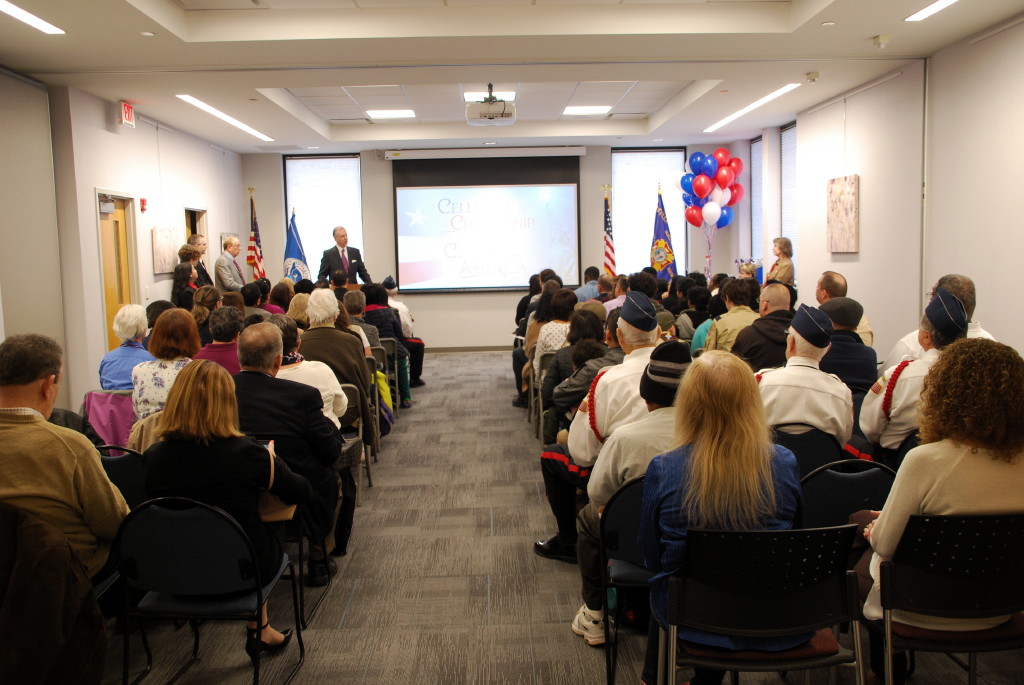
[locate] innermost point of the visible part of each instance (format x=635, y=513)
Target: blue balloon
x=688, y=199
x=686, y=183
x=709, y=167
x=696, y=160
x=700, y=201
x=726, y=218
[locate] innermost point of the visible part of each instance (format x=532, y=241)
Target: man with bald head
x=832, y=284
x=762, y=344
x=962, y=288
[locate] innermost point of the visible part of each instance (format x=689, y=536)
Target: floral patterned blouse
x=151, y=384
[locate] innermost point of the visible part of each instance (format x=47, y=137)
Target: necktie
x=344, y=260
x=239, y=270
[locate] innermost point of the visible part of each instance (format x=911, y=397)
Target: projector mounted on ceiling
x=491, y=111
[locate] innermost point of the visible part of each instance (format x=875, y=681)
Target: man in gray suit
x=229, y=274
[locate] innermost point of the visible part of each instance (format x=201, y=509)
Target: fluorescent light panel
x=30, y=19
x=931, y=9
x=586, y=110
x=195, y=102
x=391, y=114
x=751, y=107
x=479, y=95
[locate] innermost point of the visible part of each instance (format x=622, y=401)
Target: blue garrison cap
x=946, y=312
x=813, y=325
x=638, y=311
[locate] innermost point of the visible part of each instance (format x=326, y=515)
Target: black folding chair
x=622, y=560
x=194, y=562
x=813, y=447
x=834, y=491
x=763, y=584
x=960, y=567
x=124, y=471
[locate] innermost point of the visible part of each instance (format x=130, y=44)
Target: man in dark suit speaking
x=343, y=258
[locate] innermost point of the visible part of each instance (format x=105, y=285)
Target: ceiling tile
x=316, y=92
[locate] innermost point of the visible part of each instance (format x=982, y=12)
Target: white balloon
x=726, y=196
x=712, y=211
x=716, y=196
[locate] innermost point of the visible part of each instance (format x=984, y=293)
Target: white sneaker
x=589, y=625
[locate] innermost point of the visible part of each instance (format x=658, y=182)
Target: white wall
x=171, y=170
x=30, y=260
x=877, y=134
x=975, y=170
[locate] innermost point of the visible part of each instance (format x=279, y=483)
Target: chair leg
x=366, y=462
x=858, y=651
x=887, y=625
x=195, y=653
x=145, y=646
x=299, y=623
x=663, y=658
x=972, y=672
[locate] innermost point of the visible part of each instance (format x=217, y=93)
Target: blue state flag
x=663, y=259
x=294, y=256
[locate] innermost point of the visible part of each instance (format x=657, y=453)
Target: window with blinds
x=756, y=225
x=635, y=178
x=325, y=191
x=788, y=181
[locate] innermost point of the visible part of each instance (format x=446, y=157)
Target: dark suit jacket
x=331, y=262
x=851, y=360
x=291, y=415
x=204, y=275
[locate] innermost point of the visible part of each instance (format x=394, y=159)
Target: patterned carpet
x=440, y=584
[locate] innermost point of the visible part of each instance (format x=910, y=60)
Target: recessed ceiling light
x=751, y=107
x=659, y=140
x=391, y=114
x=586, y=110
x=147, y=34
x=313, y=147
x=930, y=10
x=490, y=142
x=30, y=19
x=479, y=95
x=828, y=23
x=209, y=109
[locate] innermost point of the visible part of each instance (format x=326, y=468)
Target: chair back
x=834, y=491
x=390, y=346
x=764, y=583
x=380, y=356
x=180, y=546
x=620, y=523
x=125, y=471
x=813, y=447
x=111, y=414
x=908, y=443
x=957, y=567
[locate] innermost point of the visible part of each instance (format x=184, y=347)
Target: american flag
x=254, y=254
x=609, y=241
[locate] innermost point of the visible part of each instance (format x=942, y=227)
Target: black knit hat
x=669, y=362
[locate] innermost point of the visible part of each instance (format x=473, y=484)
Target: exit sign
x=126, y=114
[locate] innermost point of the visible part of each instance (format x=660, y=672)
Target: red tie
x=239, y=270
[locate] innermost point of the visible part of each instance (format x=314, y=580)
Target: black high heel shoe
x=253, y=646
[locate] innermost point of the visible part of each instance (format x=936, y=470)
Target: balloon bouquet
x=709, y=193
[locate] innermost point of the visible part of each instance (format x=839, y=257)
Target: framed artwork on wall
x=844, y=214
x=166, y=242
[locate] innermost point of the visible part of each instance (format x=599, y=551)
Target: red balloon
x=737, y=194
x=702, y=186
x=695, y=215
x=725, y=176
x=737, y=165
x=722, y=155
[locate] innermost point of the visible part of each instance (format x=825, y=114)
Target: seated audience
x=415, y=345
x=962, y=288
x=522, y=356
x=848, y=357
x=969, y=462
x=716, y=283
x=726, y=475
x=646, y=283
x=605, y=287
x=747, y=270
x=551, y=336
x=304, y=286
x=297, y=310
x=225, y=327
x=676, y=300
x=202, y=455
x=782, y=269
x=183, y=285
x=762, y=344
x=174, y=342
x=583, y=325
x=153, y=311
x=291, y=414
x=354, y=303
x=694, y=314
x=588, y=291
x=614, y=400
x=206, y=299
x=381, y=316
x=116, y=365
x=532, y=291
x=832, y=285
x=338, y=283
x=716, y=308
x=618, y=296
x=568, y=394
x=738, y=316
x=281, y=296
x=252, y=296
x=889, y=412
x=265, y=305
x=50, y=471
x=624, y=456
x=233, y=299
x=800, y=392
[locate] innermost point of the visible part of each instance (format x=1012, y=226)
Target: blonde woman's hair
x=719, y=413
x=297, y=309
x=201, y=405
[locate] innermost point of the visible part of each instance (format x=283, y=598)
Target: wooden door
x=114, y=258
